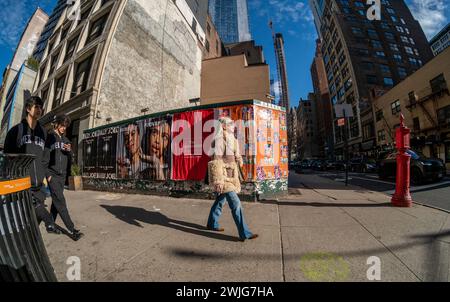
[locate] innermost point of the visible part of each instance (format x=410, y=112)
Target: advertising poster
x=90, y=155
x=265, y=157
x=156, y=147
x=281, y=167
x=189, y=160
x=244, y=118
x=106, y=153
x=129, y=164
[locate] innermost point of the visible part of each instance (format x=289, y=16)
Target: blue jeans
x=236, y=211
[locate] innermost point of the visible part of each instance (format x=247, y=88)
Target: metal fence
x=23, y=256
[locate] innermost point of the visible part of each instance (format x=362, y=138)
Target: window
x=357, y=31
x=362, y=52
x=416, y=124
x=412, y=98
x=388, y=82
x=354, y=128
x=54, y=61
x=379, y=115
x=393, y=46
x=368, y=131
x=398, y=58
x=59, y=92
x=447, y=152
x=71, y=48
x=348, y=84
x=81, y=76
x=97, y=29
x=380, y=54
x=389, y=36
x=367, y=65
x=44, y=96
x=381, y=135
x=371, y=79
x=372, y=33
x=395, y=107
x=85, y=14
x=376, y=44
x=444, y=116
x=413, y=61
x=438, y=83
x=64, y=32
x=409, y=50
x=402, y=72
x=385, y=68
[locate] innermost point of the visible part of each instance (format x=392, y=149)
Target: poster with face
x=156, y=146
x=90, y=155
x=129, y=164
x=106, y=152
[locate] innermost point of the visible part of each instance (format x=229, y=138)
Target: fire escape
x=433, y=94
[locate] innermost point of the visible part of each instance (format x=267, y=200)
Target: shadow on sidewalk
x=134, y=216
x=327, y=204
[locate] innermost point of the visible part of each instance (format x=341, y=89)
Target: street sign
x=343, y=110
x=341, y=122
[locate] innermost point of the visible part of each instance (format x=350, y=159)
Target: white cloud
x=14, y=16
x=291, y=16
x=12, y=21
x=432, y=15
x=283, y=11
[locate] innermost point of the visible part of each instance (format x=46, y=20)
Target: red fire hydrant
x=402, y=196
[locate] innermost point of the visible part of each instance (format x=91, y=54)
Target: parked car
x=295, y=165
x=422, y=167
x=319, y=165
x=330, y=165
x=306, y=164
x=363, y=165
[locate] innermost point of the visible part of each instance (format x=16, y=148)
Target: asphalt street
x=435, y=194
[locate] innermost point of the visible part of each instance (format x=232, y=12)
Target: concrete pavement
x=322, y=231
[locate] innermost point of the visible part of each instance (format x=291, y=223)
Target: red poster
x=189, y=160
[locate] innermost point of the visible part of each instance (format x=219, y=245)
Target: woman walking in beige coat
x=224, y=177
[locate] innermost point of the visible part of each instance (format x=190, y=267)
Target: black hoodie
x=58, y=159
x=21, y=139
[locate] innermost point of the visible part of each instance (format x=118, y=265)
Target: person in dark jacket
x=29, y=137
x=58, y=156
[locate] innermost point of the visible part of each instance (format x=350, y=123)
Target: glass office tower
x=231, y=20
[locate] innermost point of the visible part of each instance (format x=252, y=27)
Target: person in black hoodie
x=58, y=156
x=29, y=137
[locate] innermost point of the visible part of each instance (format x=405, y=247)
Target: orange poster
x=244, y=117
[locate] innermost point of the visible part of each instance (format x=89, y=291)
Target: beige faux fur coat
x=225, y=164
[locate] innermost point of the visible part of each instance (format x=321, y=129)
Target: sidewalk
x=322, y=231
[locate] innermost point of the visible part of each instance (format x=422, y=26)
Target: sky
x=293, y=18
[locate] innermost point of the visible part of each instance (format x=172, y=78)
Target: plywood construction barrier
x=167, y=153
